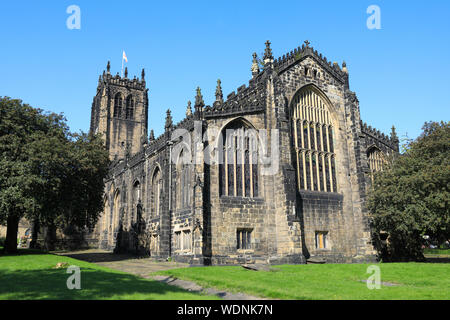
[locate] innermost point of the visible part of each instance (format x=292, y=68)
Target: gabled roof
x=303, y=52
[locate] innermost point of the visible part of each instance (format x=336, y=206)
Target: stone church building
x=277, y=172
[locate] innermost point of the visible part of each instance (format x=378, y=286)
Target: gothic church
x=307, y=201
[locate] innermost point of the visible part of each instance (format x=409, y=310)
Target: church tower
x=120, y=113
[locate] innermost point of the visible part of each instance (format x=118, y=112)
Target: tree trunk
x=34, y=234
x=11, y=234
x=50, y=237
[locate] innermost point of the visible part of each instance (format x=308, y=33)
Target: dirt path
x=143, y=267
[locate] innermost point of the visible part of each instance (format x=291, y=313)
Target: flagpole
x=121, y=73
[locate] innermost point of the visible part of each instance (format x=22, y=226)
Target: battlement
x=246, y=100
x=391, y=141
x=156, y=144
x=117, y=80
x=123, y=81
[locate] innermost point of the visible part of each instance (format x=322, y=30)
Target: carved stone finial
x=344, y=67
x=126, y=72
x=219, y=94
x=268, y=53
x=394, y=134
x=199, y=98
x=307, y=43
x=108, y=67
x=143, y=75
x=189, y=109
x=255, y=66
x=152, y=135
x=169, y=121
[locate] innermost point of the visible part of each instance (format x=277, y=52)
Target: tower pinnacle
x=219, y=94
x=255, y=66
x=268, y=57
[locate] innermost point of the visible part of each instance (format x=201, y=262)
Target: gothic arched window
x=106, y=213
x=129, y=111
x=238, y=161
x=156, y=193
x=376, y=160
x=183, y=177
x=136, y=199
x=115, y=216
x=117, y=105
x=313, y=141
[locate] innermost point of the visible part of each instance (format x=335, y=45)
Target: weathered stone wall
x=122, y=135
x=283, y=219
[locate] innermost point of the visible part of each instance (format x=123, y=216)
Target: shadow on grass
x=95, y=284
x=22, y=252
x=100, y=256
x=430, y=259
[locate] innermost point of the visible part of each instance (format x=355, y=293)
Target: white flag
x=124, y=57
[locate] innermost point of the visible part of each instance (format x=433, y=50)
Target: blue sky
x=399, y=73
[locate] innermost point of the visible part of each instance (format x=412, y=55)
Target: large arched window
x=376, y=160
x=106, y=213
x=156, y=193
x=117, y=105
x=238, y=161
x=183, y=179
x=129, y=111
x=136, y=199
x=115, y=216
x=313, y=141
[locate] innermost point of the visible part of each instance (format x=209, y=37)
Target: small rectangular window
x=321, y=240
x=186, y=240
x=183, y=240
x=244, y=238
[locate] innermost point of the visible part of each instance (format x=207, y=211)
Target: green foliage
x=48, y=174
x=411, y=198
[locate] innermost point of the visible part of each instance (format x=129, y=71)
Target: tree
x=48, y=175
x=411, y=198
x=83, y=188
x=18, y=124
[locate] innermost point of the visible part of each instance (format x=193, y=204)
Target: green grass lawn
x=328, y=281
x=30, y=275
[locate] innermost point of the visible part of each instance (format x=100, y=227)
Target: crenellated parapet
x=187, y=123
x=374, y=137
x=107, y=78
x=136, y=158
x=157, y=144
x=245, y=100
